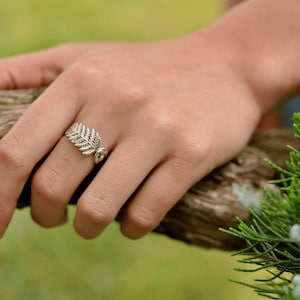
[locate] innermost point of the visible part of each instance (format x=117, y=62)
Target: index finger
x=33, y=136
x=30, y=70
x=39, y=68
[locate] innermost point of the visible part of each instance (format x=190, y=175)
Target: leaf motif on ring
x=87, y=140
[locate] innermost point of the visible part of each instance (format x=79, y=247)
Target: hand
x=168, y=113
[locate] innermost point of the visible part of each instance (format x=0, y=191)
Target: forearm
x=263, y=36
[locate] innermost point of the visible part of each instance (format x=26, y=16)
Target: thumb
x=30, y=70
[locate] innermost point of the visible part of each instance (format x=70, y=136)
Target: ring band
x=87, y=140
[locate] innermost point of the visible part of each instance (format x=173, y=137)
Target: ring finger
x=56, y=180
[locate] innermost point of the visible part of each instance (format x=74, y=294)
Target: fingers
x=34, y=135
x=123, y=172
x=30, y=70
x=56, y=180
x=39, y=68
x=119, y=180
x=156, y=197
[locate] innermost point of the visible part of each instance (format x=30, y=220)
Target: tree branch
x=213, y=202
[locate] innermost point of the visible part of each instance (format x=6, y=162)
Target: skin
x=169, y=112
x=273, y=118
x=230, y=3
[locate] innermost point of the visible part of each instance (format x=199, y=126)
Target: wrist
x=264, y=52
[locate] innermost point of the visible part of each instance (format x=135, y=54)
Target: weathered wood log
x=213, y=202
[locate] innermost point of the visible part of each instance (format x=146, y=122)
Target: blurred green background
x=42, y=264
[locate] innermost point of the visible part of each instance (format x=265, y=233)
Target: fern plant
x=273, y=234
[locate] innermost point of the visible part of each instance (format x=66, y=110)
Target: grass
x=39, y=264
x=34, y=24
x=57, y=264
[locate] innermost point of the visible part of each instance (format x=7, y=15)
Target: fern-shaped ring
x=87, y=140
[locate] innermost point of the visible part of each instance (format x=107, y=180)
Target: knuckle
x=193, y=149
x=143, y=220
x=97, y=210
x=164, y=124
x=127, y=97
x=47, y=184
x=11, y=152
x=132, y=94
x=7, y=76
x=190, y=157
x=180, y=166
x=85, y=71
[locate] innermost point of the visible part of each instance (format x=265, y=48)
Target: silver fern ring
x=87, y=140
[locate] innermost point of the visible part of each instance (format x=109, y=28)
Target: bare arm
x=266, y=36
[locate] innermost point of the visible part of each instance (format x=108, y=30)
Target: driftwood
x=213, y=202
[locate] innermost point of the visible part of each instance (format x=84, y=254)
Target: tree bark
x=212, y=203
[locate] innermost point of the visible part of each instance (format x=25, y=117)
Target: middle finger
x=121, y=175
